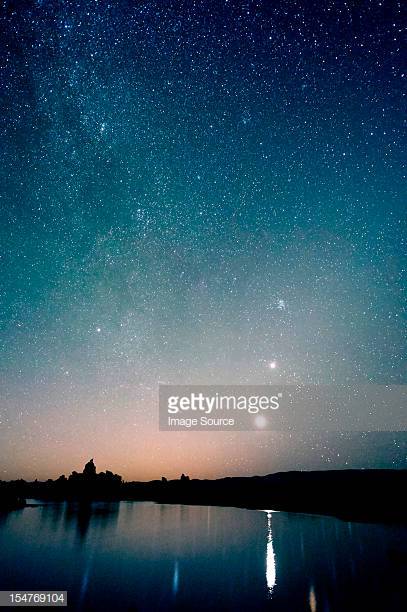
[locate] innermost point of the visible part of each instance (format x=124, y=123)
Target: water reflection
x=51, y=515
x=175, y=580
x=270, y=558
x=149, y=556
x=80, y=515
x=312, y=600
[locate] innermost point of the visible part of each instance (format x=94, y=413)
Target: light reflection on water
x=147, y=556
x=270, y=558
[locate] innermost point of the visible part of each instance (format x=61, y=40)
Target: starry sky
x=191, y=191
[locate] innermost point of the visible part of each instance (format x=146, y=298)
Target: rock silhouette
x=90, y=469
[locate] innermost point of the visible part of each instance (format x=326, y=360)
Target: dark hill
x=350, y=494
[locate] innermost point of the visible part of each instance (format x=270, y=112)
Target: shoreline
x=351, y=495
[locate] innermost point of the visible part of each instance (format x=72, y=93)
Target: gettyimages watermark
x=283, y=407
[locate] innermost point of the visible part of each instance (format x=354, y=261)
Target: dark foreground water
x=145, y=556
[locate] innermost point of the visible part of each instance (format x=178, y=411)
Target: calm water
x=145, y=556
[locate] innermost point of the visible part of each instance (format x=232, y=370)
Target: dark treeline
x=352, y=494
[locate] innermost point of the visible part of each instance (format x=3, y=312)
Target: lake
x=146, y=556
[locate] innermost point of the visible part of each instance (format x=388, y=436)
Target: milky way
x=196, y=192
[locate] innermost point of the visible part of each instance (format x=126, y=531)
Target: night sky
x=190, y=192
